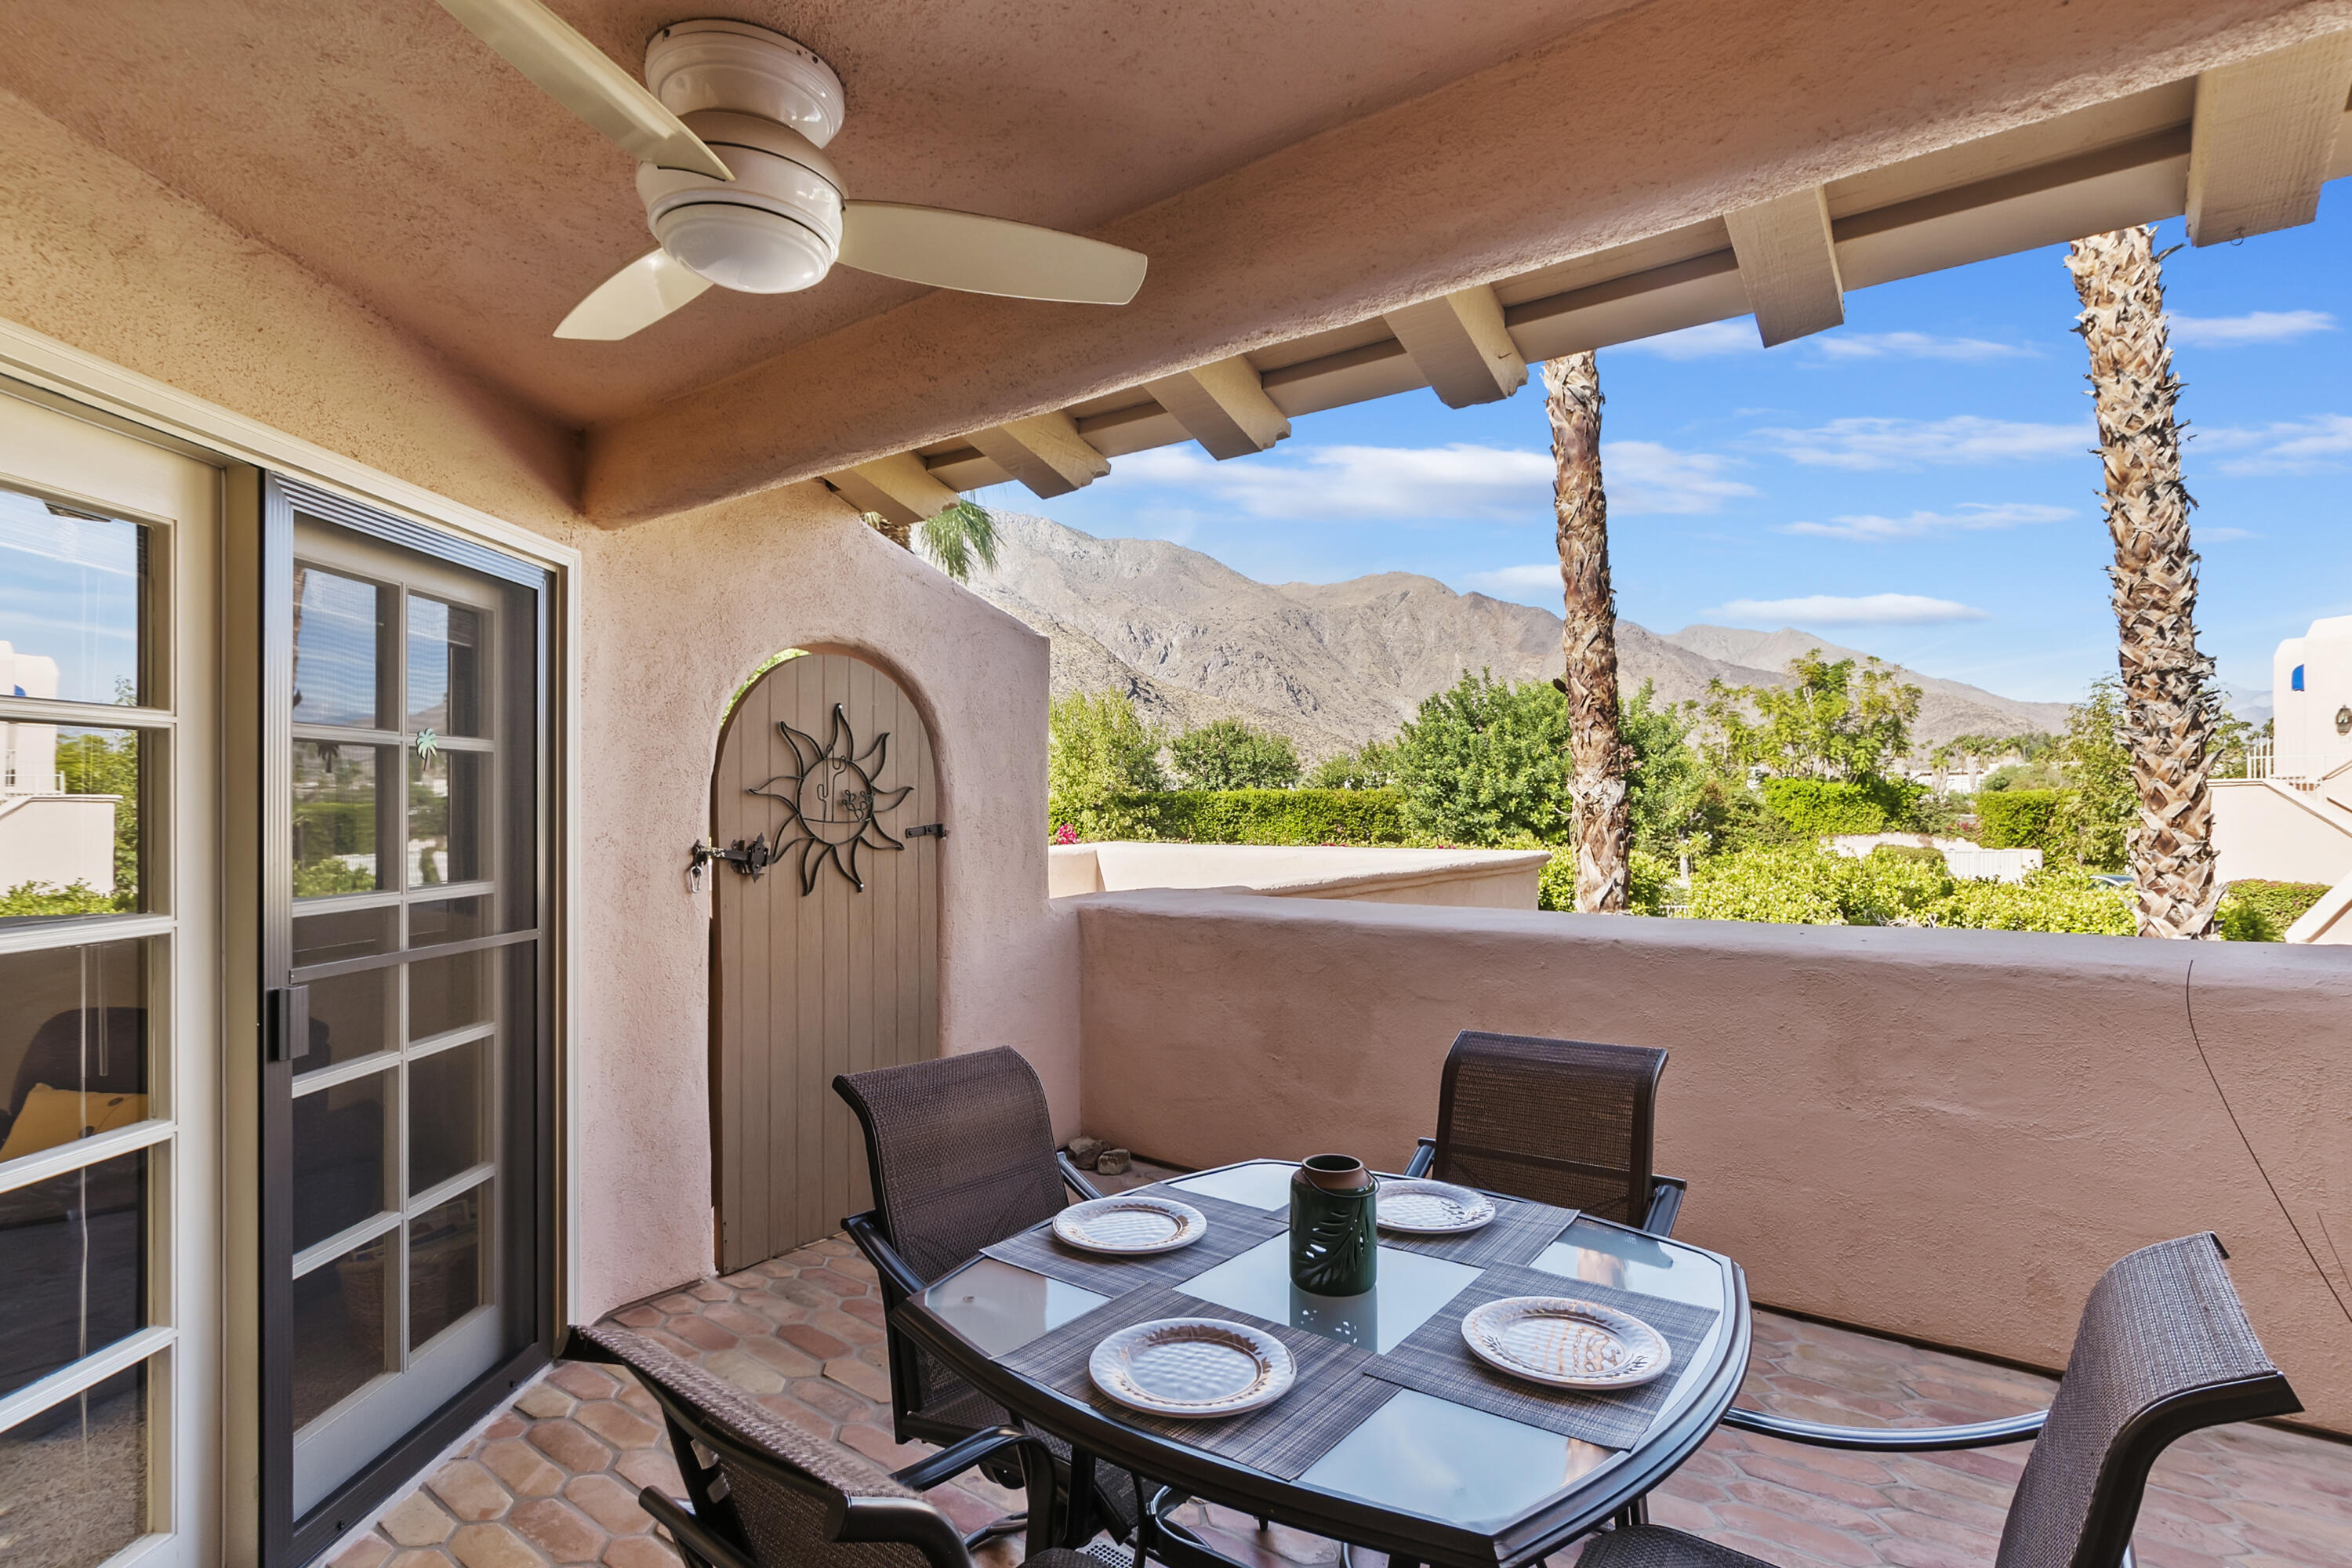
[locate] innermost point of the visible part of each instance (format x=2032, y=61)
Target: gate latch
x=929, y=830
x=751, y=859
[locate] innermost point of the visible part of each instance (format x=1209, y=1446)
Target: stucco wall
x=1480, y=878
x=2274, y=831
x=676, y=614
x=1946, y=1134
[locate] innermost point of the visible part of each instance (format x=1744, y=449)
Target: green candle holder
x=1334, y=1226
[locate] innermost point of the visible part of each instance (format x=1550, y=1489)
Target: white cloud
x=2253, y=327
x=2290, y=446
x=1917, y=346
x=1834, y=609
x=1647, y=477
x=1882, y=442
x=1712, y=341
x=1508, y=581
x=1971, y=516
x=1455, y=482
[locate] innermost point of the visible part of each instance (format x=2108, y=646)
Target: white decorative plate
x=1566, y=1343
x=1433, y=1208
x=1130, y=1226
x=1193, y=1367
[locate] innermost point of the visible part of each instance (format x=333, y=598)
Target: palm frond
x=958, y=535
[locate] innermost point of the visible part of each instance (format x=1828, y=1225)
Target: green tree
x=1666, y=793
x=1227, y=753
x=1484, y=762
x=106, y=762
x=2100, y=802
x=1833, y=720
x=1371, y=766
x=1096, y=747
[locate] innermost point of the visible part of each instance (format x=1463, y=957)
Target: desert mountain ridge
x=1333, y=665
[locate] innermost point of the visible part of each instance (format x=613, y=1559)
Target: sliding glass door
x=407, y=1180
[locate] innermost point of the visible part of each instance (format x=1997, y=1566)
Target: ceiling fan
x=738, y=191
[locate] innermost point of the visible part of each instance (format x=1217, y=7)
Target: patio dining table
x=1394, y=1437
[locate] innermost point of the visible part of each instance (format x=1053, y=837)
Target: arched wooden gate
x=827, y=962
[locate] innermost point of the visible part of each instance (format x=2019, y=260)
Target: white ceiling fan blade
x=585, y=81
x=634, y=299
x=986, y=255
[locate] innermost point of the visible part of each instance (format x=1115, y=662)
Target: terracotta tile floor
x=554, y=1479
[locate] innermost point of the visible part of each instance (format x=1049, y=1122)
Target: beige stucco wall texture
x=1944, y=1134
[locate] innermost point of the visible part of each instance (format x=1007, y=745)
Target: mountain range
x=1333, y=665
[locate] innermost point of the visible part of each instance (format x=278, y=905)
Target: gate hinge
x=929, y=830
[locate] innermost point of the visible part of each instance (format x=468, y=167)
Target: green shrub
x=2253, y=909
x=1816, y=807
x=1649, y=882
x=1920, y=853
x=1801, y=885
x=2019, y=819
x=1558, y=889
x=44, y=899
x=1265, y=815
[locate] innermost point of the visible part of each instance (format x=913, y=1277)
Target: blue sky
x=1917, y=482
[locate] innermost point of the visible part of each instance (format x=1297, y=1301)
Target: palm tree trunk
x=2169, y=704
x=1596, y=751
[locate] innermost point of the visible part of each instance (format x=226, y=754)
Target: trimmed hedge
x=1266, y=815
x=2019, y=820
x=1816, y=807
x=2253, y=909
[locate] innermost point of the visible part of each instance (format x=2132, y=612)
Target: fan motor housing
x=775, y=229
x=715, y=64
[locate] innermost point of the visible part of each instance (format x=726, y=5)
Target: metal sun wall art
x=830, y=804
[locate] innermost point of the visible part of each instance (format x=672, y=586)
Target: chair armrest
x=906, y=1521
x=696, y=1544
x=1890, y=1440
x=955, y=1459
x=1424, y=1154
x=1071, y=1175
x=1665, y=1202
x=867, y=1235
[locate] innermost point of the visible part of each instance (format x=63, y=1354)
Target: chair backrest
x=961, y=1150
x=2163, y=1350
x=760, y=1483
x=1560, y=1121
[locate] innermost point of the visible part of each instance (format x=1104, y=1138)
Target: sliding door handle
x=286, y=1027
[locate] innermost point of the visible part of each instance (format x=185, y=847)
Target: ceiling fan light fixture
x=712, y=64
x=774, y=230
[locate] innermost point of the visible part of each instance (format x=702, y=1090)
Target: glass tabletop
x=1417, y=1453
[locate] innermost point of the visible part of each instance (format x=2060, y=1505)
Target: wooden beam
x=2263, y=139
x=1789, y=263
x=1460, y=347
x=1046, y=453
x=898, y=487
x=1223, y=406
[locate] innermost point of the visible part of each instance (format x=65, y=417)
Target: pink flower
x=1066, y=834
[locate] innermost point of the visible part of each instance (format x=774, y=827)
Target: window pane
x=445, y=1263
x=445, y=672
x=71, y=591
x=445, y=817
x=73, y=1045
x=446, y=994
x=335, y=817
x=448, y=1104
x=339, y=1164
x=339, y=1327
x=75, y=1477
x=345, y=933
x=338, y=642
x=449, y=920
x=351, y=1015
x=69, y=821
x=76, y=1278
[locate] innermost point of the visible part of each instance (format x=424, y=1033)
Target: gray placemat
x=1433, y=1360
x=1517, y=1232
x=1331, y=1398
x=1234, y=1229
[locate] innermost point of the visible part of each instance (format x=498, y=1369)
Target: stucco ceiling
x=389, y=152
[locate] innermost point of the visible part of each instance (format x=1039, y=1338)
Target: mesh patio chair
x=1560, y=1121
x=764, y=1493
x=961, y=1154
x=2164, y=1349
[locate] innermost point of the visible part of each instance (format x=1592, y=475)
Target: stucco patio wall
x=1481, y=878
x=1939, y=1134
